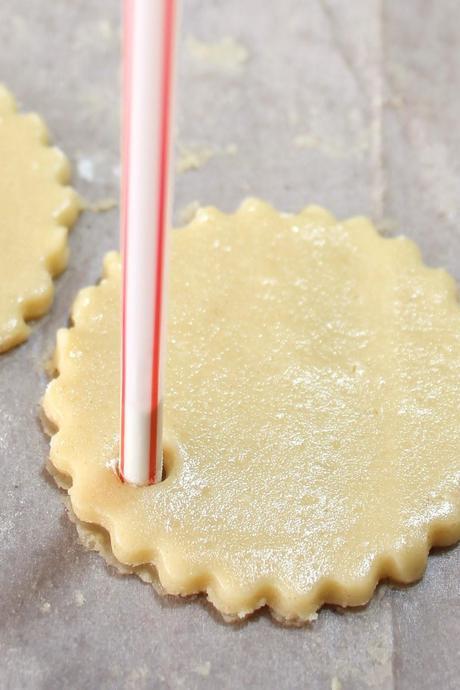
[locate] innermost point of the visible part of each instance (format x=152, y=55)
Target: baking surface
x=350, y=105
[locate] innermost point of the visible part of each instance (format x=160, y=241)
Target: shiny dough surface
x=36, y=210
x=312, y=413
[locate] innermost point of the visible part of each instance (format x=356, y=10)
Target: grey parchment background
x=353, y=105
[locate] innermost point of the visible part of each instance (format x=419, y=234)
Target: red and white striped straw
x=149, y=42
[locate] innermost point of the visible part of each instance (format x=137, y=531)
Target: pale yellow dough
x=312, y=413
x=36, y=210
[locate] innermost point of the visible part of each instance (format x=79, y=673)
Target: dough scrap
x=312, y=416
x=36, y=210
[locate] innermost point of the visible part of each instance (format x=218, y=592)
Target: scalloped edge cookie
x=35, y=300
x=404, y=563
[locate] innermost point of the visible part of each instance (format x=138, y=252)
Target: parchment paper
x=353, y=105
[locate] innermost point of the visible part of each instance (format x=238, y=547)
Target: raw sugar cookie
x=312, y=414
x=36, y=210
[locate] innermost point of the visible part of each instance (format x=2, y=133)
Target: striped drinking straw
x=149, y=41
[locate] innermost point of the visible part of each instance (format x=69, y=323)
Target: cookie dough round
x=312, y=414
x=36, y=210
